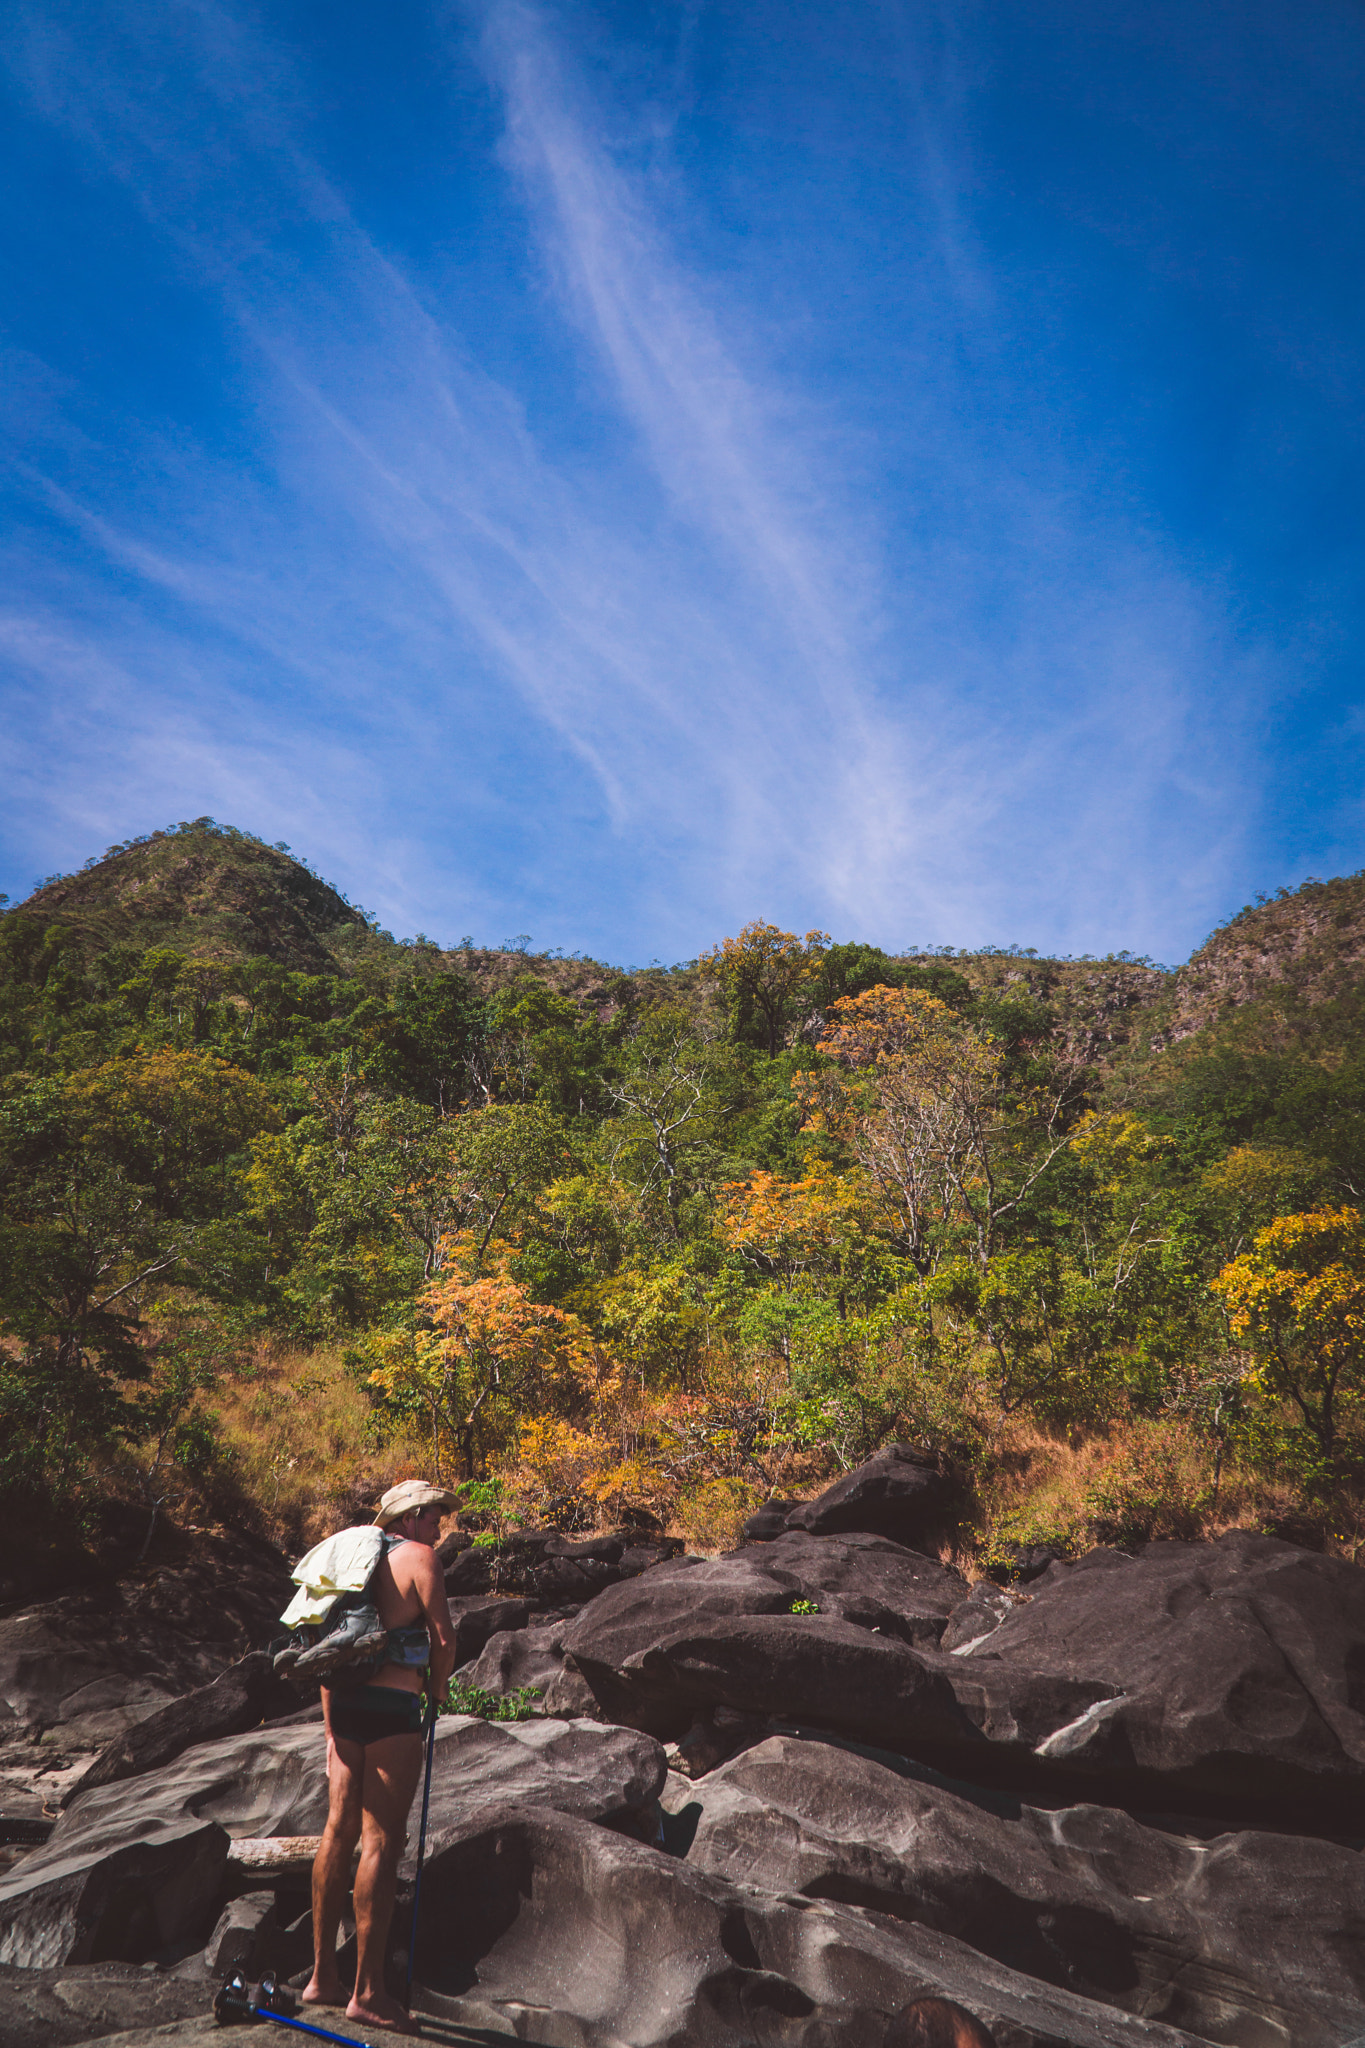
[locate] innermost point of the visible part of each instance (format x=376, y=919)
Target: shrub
x=711, y=1515
x=490, y=1706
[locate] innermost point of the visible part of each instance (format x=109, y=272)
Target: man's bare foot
x=323, y=1991
x=379, y=2010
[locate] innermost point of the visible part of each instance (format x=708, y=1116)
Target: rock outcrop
x=247, y=1693
x=1224, y=1678
x=545, y=1927
x=900, y=1493
x=135, y=1870
x=83, y=1669
x=1240, y=1938
x=1229, y=1678
x=895, y=1785
x=693, y=1635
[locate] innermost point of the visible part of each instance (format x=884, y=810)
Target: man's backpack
x=335, y=1635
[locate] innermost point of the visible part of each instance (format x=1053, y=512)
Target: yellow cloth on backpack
x=341, y=1564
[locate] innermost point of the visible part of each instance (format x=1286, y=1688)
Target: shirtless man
x=374, y=1756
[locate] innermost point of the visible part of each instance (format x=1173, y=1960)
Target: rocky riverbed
x=768, y=1798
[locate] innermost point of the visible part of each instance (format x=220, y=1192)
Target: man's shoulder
x=414, y=1557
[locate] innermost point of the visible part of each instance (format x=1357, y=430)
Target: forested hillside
x=288, y=1206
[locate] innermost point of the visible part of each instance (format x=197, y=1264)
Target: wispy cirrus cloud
x=636, y=695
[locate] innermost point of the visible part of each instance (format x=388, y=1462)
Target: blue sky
x=613, y=472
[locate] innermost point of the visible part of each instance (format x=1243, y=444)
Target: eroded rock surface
x=88, y=1666
x=57, y=2008
x=247, y=1693
x=1234, y=1673
x=137, y=1868
x=642, y=1647
x=802, y=1893
x=1225, y=1678
x=899, y=1493
x=558, y=1931
x=1245, y=1938
x=575, y=1767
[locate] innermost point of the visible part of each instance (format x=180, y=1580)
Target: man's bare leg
x=392, y=1768
x=332, y=1866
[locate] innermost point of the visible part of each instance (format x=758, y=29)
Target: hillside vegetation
x=287, y=1207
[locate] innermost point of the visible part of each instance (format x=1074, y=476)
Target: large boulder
x=821, y=1672
x=477, y=1617
x=899, y=1493
x=546, y=1567
x=247, y=1693
x=1247, y=1938
x=1223, y=1678
x=532, y=1659
x=513, y=1660
x=56, y=2008
x=1229, y=1677
x=624, y=1642
x=83, y=1669
x=540, y=1925
x=137, y=1870
x=574, y=1767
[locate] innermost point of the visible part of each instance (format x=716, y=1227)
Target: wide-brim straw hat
x=413, y=1493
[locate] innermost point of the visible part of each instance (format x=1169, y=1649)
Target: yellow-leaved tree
x=490, y=1354
x=792, y=1227
x=763, y=973
x=926, y=1106
x=1297, y=1301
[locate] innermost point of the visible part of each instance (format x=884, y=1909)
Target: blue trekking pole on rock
x=432, y=1707
x=235, y=2003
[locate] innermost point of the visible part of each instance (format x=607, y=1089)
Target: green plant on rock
x=517, y=1705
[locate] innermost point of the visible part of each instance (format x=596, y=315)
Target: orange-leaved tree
x=1297, y=1300
x=763, y=972
x=489, y=1349
x=790, y=1227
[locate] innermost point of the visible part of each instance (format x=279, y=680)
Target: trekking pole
x=421, y=1845
x=235, y=2003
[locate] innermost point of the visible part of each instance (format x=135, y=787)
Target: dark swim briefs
x=371, y=1713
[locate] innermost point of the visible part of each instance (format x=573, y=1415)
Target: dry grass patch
x=299, y=1432
x=1128, y=1481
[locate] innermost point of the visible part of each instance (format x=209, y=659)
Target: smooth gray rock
x=1252, y=1939
x=477, y=1618
x=133, y=1868
x=87, y=1666
x=1222, y=1678
x=563, y=1933
x=1229, y=1678
x=828, y=1673
x=980, y=1614
x=573, y=1767
x=628, y=1642
x=136, y=1868
x=245, y=1694
x=899, y=1493
x=57, y=2008
x=533, y=1659
x=245, y=1937
x=517, y=1658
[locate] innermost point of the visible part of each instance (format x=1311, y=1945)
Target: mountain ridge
x=216, y=892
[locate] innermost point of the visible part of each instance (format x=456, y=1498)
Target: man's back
x=408, y=1581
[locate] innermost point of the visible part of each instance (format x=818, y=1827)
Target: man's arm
x=428, y=1582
